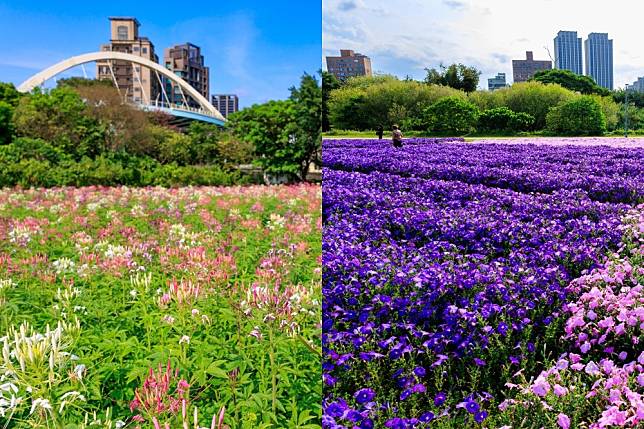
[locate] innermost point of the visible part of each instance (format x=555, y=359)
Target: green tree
x=452, y=116
x=634, y=97
x=266, y=127
x=578, y=117
x=533, y=98
x=9, y=94
x=570, y=80
x=76, y=82
x=203, y=143
x=6, y=122
x=457, y=76
x=61, y=118
x=306, y=130
x=365, y=103
x=329, y=83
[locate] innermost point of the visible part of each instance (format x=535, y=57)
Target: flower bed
x=437, y=291
x=155, y=307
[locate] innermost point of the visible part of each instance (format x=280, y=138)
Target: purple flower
x=427, y=417
x=439, y=399
x=364, y=395
x=480, y=416
x=471, y=406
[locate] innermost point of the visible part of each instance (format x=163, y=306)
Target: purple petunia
x=364, y=395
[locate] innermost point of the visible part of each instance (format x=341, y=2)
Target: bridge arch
x=39, y=78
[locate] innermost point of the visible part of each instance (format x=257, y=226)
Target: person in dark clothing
x=380, y=131
x=396, y=136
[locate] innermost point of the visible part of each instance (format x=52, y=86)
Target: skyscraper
x=349, y=64
x=522, y=70
x=568, y=52
x=137, y=84
x=225, y=103
x=186, y=62
x=599, y=59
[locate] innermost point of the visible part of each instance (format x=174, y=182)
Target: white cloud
x=405, y=36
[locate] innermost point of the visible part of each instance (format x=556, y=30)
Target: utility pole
x=626, y=111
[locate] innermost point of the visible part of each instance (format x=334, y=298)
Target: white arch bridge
x=182, y=112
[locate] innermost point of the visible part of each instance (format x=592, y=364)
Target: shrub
x=504, y=119
x=533, y=98
x=451, y=115
x=365, y=103
x=582, y=116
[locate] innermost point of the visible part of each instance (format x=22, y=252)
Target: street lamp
x=626, y=111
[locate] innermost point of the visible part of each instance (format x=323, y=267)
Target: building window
x=144, y=50
x=135, y=49
x=121, y=32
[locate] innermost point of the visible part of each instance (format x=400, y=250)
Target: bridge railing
x=166, y=105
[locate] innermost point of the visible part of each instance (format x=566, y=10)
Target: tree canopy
x=570, y=80
x=457, y=76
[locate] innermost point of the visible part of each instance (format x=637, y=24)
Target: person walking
x=380, y=131
x=396, y=136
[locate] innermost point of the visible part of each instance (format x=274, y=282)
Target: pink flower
x=541, y=387
x=563, y=421
x=592, y=368
x=585, y=347
x=559, y=390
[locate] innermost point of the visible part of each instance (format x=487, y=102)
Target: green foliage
x=203, y=143
x=6, y=122
x=207, y=251
x=368, y=102
x=610, y=109
x=571, y=81
x=457, y=76
x=9, y=94
x=175, y=147
x=265, y=126
x=581, y=116
x=76, y=82
x=60, y=117
x=634, y=97
x=533, y=98
x=451, y=116
x=307, y=127
x=286, y=134
x=504, y=119
x=329, y=83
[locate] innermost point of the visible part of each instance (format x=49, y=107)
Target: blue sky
x=402, y=37
x=256, y=49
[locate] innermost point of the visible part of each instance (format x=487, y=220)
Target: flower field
x=482, y=285
x=164, y=308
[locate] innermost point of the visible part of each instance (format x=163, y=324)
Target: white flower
x=133, y=293
x=42, y=403
x=184, y=339
x=79, y=371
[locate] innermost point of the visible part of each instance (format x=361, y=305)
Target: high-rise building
x=349, y=64
x=522, y=70
x=496, y=82
x=225, y=103
x=568, y=54
x=137, y=84
x=638, y=85
x=186, y=62
x=599, y=59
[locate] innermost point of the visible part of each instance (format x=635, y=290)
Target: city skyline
x=487, y=37
x=239, y=43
